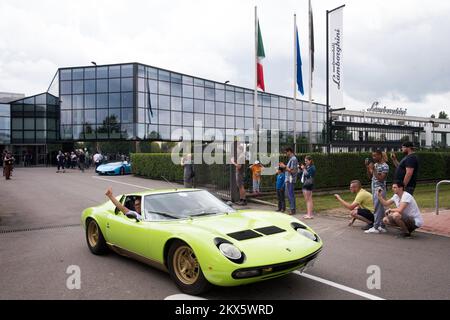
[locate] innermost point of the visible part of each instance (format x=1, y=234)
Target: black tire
x=122, y=171
x=200, y=285
x=98, y=246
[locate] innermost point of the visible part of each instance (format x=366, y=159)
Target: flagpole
x=328, y=92
x=255, y=98
x=295, y=79
x=310, y=83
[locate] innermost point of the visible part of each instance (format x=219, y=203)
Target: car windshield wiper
x=164, y=214
x=204, y=214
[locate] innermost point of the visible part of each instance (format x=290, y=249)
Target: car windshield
x=114, y=163
x=184, y=204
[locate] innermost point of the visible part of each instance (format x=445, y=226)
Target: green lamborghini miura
x=200, y=240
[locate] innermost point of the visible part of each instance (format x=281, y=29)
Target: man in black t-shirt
x=407, y=168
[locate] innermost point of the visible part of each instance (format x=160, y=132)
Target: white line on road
x=339, y=286
x=183, y=296
x=128, y=184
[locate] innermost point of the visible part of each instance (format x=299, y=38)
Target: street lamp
x=227, y=81
x=94, y=63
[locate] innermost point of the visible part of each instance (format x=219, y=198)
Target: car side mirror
x=230, y=203
x=132, y=215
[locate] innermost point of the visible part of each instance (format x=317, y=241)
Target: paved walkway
x=436, y=224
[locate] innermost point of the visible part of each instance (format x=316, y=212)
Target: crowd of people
x=75, y=159
x=370, y=207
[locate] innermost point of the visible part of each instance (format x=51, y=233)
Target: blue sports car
x=114, y=168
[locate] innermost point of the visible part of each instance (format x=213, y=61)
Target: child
x=256, y=169
x=280, y=190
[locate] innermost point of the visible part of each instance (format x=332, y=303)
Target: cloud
x=395, y=51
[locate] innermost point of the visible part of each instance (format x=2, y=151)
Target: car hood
x=265, y=237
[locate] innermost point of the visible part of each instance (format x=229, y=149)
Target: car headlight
x=306, y=233
x=230, y=251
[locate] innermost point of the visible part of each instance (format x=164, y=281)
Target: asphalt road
x=43, y=209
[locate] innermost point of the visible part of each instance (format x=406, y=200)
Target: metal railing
x=437, y=194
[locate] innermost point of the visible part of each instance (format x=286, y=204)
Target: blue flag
x=299, y=68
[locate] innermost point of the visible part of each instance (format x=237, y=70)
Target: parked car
x=114, y=168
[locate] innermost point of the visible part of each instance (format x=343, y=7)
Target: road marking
x=128, y=184
x=339, y=286
x=182, y=296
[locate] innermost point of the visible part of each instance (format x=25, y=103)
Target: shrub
x=333, y=170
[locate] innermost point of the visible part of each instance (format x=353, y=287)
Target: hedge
x=156, y=166
x=333, y=170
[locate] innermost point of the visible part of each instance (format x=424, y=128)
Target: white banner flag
x=335, y=50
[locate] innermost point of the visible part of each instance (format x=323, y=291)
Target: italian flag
x=259, y=56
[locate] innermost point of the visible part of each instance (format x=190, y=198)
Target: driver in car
x=121, y=207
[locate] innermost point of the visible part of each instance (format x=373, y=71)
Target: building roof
x=368, y=114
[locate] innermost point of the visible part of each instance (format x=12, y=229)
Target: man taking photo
x=407, y=214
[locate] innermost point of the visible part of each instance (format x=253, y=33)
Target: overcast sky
x=395, y=52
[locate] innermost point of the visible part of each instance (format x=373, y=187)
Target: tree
x=443, y=115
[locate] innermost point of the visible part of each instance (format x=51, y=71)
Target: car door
x=127, y=233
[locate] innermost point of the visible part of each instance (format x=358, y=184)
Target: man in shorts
x=406, y=215
x=362, y=207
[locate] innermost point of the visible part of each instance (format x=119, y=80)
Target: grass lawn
x=424, y=194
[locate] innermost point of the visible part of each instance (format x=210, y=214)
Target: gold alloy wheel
x=186, y=265
x=93, y=233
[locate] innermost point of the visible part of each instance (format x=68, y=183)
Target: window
x=77, y=86
x=164, y=87
x=188, y=119
x=127, y=84
x=164, y=117
x=77, y=101
x=175, y=118
x=127, y=100
x=199, y=93
x=66, y=87
x=65, y=74
x=114, y=85
x=127, y=70
x=164, y=102
x=175, y=89
x=89, y=86
x=127, y=115
x=114, y=71
x=188, y=91
x=102, y=85
x=114, y=100
x=176, y=103
x=102, y=72
x=199, y=106
x=188, y=105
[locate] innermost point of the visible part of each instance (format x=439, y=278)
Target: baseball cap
x=256, y=162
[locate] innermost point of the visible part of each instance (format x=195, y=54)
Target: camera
x=369, y=160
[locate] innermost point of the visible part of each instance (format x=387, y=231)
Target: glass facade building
x=139, y=102
x=35, y=120
x=5, y=124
